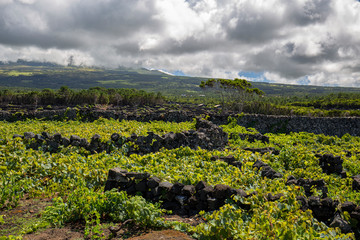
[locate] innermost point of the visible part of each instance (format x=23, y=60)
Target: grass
x=24, y=218
x=17, y=73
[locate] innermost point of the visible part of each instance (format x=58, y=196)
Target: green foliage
x=12, y=189
x=232, y=92
x=343, y=101
x=66, y=96
x=85, y=204
x=266, y=220
x=76, y=180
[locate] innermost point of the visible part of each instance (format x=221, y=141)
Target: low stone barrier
x=181, y=199
x=263, y=123
x=206, y=136
x=188, y=200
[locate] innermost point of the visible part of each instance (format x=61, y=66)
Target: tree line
x=69, y=97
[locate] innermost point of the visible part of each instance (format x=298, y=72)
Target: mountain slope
x=48, y=75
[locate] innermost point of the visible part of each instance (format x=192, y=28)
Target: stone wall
x=263, y=123
x=188, y=200
x=181, y=199
x=206, y=136
x=286, y=124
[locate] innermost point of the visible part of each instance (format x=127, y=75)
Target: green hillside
x=23, y=74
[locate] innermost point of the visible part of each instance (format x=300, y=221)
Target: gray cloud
x=289, y=41
x=309, y=12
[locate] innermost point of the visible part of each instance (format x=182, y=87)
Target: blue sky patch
x=179, y=73
x=253, y=76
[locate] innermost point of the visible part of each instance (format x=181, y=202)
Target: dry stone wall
x=181, y=199
x=188, y=200
x=263, y=123
x=206, y=136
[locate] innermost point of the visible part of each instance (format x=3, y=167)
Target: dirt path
x=163, y=235
x=69, y=234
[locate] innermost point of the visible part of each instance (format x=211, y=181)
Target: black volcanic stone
x=188, y=190
x=259, y=164
x=110, y=184
x=213, y=203
x=118, y=175
x=95, y=138
x=138, y=175
x=45, y=135
x=177, y=187
x=171, y=205
x=57, y=137
x=221, y=191
x=153, y=182
x=115, y=136
x=330, y=163
x=344, y=226
x=356, y=183
x=204, y=193
x=17, y=136
x=348, y=206
x=200, y=185
x=141, y=186
x=65, y=141
x=28, y=135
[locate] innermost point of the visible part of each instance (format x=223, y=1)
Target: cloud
x=300, y=41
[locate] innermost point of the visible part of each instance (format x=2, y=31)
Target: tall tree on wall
x=233, y=93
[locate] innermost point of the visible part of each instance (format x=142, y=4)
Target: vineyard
x=254, y=186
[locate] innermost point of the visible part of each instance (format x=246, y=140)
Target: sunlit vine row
x=39, y=174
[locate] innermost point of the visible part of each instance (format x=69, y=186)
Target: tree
x=232, y=93
x=71, y=61
x=65, y=94
x=6, y=96
x=47, y=97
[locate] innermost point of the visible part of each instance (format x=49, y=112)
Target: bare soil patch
x=163, y=235
x=27, y=211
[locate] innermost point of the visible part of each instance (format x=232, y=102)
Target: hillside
x=39, y=75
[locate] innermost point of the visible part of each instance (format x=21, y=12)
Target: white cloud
x=276, y=78
x=315, y=41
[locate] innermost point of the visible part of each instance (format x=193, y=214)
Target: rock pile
x=323, y=209
x=181, y=199
x=356, y=183
x=206, y=136
x=354, y=211
x=309, y=185
x=328, y=211
x=229, y=160
x=266, y=170
x=330, y=163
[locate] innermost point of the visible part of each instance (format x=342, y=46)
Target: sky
x=314, y=42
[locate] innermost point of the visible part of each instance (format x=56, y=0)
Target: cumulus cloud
x=300, y=41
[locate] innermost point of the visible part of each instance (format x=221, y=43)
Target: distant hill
x=28, y=74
